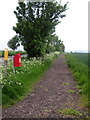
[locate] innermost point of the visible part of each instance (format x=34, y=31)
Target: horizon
x=75, y=51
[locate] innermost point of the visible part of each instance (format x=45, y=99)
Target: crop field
x=83, y=57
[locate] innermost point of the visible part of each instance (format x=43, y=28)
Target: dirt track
x=49, y=95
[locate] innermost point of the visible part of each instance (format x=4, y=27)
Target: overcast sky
x=73, y=29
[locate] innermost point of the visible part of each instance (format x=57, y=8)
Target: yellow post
x=5, y=61
x=6, y=54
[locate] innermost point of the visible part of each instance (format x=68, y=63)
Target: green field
x=83, y=57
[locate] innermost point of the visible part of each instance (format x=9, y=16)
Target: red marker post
x=16, y=59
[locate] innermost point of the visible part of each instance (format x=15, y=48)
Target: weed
x=71, y=91
x=66, y=83
x=69, y=111
x=46, y=110
x=46, y=89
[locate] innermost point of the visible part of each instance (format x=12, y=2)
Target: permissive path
x=56, y=91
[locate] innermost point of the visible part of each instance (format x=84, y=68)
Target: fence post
x=13, y=65
x=5, y=61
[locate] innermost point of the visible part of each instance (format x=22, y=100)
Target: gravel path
x=51, y=94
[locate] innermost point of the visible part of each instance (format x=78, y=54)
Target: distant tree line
x=35, y=27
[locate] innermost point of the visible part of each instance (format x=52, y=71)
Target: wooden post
x=13, y=65
x=5, y=68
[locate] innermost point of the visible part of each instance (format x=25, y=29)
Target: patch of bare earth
x=50, y=95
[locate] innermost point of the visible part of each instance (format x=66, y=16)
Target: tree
x=36, y=20
x=62, y=47
x=14, y=42
x=54, y=44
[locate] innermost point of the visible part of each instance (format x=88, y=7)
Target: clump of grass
x=66, y=83
x=46, y=110
x=69, y=111
x=71, y=91
x=16, y=86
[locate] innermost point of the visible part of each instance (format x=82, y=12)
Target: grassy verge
x=18, y=85
x=69, y=112
x=80, y=72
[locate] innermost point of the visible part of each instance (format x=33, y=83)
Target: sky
x=73, y=29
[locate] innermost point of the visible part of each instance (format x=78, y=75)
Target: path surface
x=49, y=95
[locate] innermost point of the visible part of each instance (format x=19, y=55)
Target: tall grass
x=18, y=85
x=80, y=73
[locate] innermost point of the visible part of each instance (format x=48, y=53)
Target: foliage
x=13, y=43
x=54, y=44
x=37, y=20
x=16, y=86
